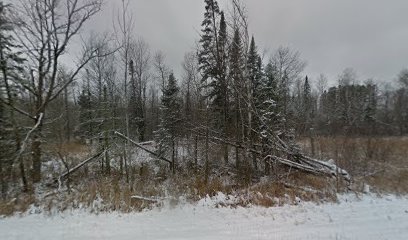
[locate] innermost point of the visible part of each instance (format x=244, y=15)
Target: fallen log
x=303, y=163
x=149, y=199
x=313, y=166
x=143, y=148
x=74, y=169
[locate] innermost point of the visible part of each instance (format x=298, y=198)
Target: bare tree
x=139, y=75
x=288, y=62
x=191, y=83
x=123, y=27
x=162, y=71
x=348, y=77
x=45, y=29
x=321, y=84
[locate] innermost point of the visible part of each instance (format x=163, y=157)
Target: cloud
x=370, y=36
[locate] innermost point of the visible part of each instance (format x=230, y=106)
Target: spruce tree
x=236, y=77
x=168, y=132
x=207, y=56
x=271, y=101
x=213, y=65
x=307, y=104
x=254, y=77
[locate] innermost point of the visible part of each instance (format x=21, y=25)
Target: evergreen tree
x=254, y=65
x=254, y=76
x=271, y=110
x=307, y=105
x=236, y=77
x=257, y=80
x=213, y=65
x=219, y=85
x=207, y=56
x=168, y=132
x=222, y=87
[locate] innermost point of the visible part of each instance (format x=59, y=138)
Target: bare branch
x=24, y=143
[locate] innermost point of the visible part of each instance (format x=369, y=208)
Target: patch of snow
x=366, y=188
x=217, y=200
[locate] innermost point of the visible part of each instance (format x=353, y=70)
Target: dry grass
x=380, y=162
x=16, y=205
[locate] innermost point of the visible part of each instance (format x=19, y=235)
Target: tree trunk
x=36, y=155
x=225, y=154
x=225, y=127
x=125, y=158
x=2, y=180
x=196, y=152
x=238, y=134
x=67, y=116
x=121, y=166
x=207, y=164
x=265, y=156
x=173, y=156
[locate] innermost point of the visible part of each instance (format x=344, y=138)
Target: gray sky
x=369, y=35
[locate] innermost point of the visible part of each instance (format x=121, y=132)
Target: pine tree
x=307, y=102
x=253, y=64
x=221, y=88
x=213, y=65
x=168, y=132
x=270, y=112
x=219, y=91
x=207, y=56
x=236, y=77
x=254, y=73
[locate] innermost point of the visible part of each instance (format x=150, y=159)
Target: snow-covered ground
x=367, y=218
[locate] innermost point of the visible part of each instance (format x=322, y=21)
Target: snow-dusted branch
x=24, y=143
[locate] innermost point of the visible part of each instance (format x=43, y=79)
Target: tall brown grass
x=381, y=162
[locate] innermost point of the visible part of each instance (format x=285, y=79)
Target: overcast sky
x=369, y=35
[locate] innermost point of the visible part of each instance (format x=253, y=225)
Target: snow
x=366, y=218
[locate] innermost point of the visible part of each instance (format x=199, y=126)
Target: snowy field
x=367, y=218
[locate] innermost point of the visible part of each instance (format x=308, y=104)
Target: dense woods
x=231, y=111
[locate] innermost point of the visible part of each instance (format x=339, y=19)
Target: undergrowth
x=380, y=163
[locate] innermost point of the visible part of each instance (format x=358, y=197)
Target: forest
x=119, y=125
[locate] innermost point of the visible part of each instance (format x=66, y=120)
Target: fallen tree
x=143, y=148
x=295, y=159
x=74, y=169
